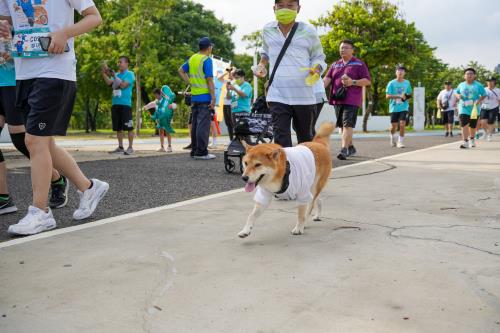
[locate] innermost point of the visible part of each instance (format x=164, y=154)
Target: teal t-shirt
x=398, y=88
x=242, y=104
x=470, y=93
x=8, y=74
x=124, y=96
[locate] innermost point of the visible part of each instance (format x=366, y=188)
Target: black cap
x=205, y=43
x=491, y=79
x=448, y=83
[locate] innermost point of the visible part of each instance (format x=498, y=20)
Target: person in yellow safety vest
x=198, y=72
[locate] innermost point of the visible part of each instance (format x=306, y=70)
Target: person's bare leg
x=162, y=138
x=66, y=163
x=21, y=129
x=472, y=132
x=465, y=133
x=347, y=137
x=130, y=138
x=169, y=139
x=41, y=168
x=402, y=126
x=119, y=136
x=394, y=127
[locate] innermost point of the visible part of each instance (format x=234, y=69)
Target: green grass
x=108, y=133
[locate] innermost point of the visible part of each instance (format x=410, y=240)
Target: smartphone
x=45, y=43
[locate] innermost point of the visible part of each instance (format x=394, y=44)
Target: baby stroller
x=253, y=128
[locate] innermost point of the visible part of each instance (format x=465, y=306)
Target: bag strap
x=493, y=91
x=282, y=53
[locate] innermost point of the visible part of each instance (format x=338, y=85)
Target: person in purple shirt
x=352, y=75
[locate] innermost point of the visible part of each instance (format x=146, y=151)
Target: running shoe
x=464, y=145
x=90, y=199
x=169, y=149
x=7, y=206
x=34, y=222
x=129, y=151
x=351, y=151
x=59, y=194
x=161, y=150
x=472, y=143
x=188, y=147
x=393, y=140
x=343, y=154
x=205, y=157
x=118, y=150
x=401, y=144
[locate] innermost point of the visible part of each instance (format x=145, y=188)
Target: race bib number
x=468, y=103
x=399, y=101
x=26, y=44
x=117, y=93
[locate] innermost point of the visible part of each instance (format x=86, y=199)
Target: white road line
x=124, y=217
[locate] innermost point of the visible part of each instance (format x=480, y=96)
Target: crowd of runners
x=38, y=90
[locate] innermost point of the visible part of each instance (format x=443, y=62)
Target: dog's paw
x=316, y=218
x=244, y=233
x=297, y=231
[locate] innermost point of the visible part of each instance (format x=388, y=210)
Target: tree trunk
x=369, y=109
x=93, y=124
x=138, y=106
x=87, y=115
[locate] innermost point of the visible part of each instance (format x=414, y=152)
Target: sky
x=462, y=30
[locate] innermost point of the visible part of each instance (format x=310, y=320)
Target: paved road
x=148, y=182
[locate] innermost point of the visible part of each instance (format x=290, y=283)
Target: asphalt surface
x=147, y=182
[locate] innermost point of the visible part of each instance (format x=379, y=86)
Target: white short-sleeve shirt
x=301, y=179
x=492, y=98
x=37, y=18
x=449, y=96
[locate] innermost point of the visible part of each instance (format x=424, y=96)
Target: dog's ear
x=275, y=154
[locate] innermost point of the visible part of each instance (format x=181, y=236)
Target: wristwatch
x=354, y=82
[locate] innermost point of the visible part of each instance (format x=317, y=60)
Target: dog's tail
x=324, y=132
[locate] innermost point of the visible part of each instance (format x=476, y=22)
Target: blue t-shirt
x=239, y=103
x=470, y=93
x=124, y=96
x=398, y=88
x=8, y=74
x=208, y=69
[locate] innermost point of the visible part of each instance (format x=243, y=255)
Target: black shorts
x=46, y=105
x=397, y=117
x=465, y=120
x=347, y=115
x=121, y=115
x=448, y=117
x=490, y=115
x=8, y=106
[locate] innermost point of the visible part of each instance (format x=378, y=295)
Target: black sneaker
x=343, y=154
x=447, y=134
x=351, y=151
x=189, y=146
x=7, y=206
x=59, y=194
x=451, y=134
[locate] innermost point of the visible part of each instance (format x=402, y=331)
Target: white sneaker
x=488, y=138
x=472, y=143
x=169, y=149
x=206, y=157
x=464, y=145
x=400, y=144
x=161, y=150
x=129, y=151
x=393, y=140
x=90, y=199
x=34, y=222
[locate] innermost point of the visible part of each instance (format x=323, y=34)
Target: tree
x=383, y=39
x=157, y=35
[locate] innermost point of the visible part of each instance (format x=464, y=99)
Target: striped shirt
x=305, y=51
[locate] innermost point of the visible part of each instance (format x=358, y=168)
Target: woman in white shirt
x=489, y=108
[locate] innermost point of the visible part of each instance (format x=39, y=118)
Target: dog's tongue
x=249, y=187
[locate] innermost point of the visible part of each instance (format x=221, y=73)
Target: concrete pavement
x=409, y=243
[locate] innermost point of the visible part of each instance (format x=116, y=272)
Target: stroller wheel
x=229, y=165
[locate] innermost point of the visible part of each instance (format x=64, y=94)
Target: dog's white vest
x=302, y=174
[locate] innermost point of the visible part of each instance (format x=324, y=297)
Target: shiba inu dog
x=299, y=173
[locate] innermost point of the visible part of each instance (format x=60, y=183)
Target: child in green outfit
x=165, y=106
